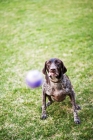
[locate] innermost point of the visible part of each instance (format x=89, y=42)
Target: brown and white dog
x=57, y=86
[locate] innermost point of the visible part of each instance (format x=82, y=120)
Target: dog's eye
x=49, y=62
x=57, y=63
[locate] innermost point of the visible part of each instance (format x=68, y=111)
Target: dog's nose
x=52, y=70
x=53, y=67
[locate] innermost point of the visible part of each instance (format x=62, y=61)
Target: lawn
x=32, y=31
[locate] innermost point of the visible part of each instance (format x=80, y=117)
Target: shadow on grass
x=21, y=118
x=62, y=116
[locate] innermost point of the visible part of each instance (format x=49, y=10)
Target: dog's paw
x=77, y=121
x=78, y=107
x=44, y=116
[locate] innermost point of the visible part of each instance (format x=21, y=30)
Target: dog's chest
x=56, y=90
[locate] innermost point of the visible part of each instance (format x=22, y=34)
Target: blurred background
x=32, y=31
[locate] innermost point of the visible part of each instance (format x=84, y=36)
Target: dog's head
x=54, y=69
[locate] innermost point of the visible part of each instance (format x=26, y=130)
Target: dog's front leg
x=76, y=118
x=49, y=102
x=44, y=116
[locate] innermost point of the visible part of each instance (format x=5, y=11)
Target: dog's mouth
x=53, y=74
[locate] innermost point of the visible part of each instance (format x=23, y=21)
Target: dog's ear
x=64, y=69
x=44, y=69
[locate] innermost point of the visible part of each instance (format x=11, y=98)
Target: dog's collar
x=56, y=81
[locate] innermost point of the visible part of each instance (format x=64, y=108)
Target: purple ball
x=34, y=79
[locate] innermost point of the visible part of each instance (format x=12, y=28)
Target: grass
x=32, y=31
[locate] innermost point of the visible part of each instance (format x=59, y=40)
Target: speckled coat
x=57, y=89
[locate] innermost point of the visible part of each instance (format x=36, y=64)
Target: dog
x=57, y=86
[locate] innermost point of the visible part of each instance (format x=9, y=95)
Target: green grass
x=32, y=31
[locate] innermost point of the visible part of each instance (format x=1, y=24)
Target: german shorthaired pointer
x=57, y=86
